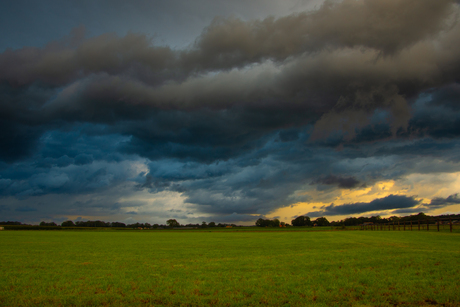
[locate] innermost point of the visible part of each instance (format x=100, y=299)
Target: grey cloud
x=448, y=95
x=243, y=119
x=438, y=202
x=82, y=159
x=341, y=182
x=387, y=203
x=443, y=202
x=387, y=26
x=71, y=179
x=109, y=79
x=25, y=209
x=62, y=61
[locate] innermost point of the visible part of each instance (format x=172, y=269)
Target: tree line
x=353, y=221
x=171, y=223
x=298, y=221
x=174, y=223
x=304, y=220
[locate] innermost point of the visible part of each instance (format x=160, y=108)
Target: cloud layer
x=246, y=119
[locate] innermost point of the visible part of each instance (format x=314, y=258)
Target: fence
x=419, y=225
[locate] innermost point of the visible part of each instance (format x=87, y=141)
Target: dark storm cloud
x=448, y=96
x=247, y=116
x=341, y=182
x=387, y=26
x=436, y=203
x=130, y=71
x=442, y=202
x=18, y=141
x=255, y=182
x=25, y=209
x=380, y=204
x=69, y=162
x=72, y=57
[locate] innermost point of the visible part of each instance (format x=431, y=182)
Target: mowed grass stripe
x=164, y=268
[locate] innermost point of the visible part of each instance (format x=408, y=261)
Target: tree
x=394, y=218
x=322, y=221
x=68, y=223
x=275, y=223
x=261, y=223
x=267, y=223
x=301, y=221
x=212, y=224
x=172, y=223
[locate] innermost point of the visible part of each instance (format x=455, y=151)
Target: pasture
x=230, y=268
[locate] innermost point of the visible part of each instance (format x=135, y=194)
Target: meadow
x=229, y=268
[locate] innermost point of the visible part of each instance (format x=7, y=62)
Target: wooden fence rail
x=409, y=225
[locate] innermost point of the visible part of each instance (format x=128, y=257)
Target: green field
x=229, y=268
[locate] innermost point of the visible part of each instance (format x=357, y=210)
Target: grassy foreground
x=187, y=268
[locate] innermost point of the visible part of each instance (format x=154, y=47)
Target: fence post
x=410, y=225
x=427, y=225
x=418, y=225
x=450, y=222
x=404, y=226
x=398, y=226
x=438, y=223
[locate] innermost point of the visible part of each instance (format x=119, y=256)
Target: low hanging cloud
x=399, y=204
x=440, y=202
x=380, y=204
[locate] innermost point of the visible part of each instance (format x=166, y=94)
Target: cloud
x=129, y=84
x=386, y=203
x=243, y=120
x=72, y=57
x=341, y=182
x=388, y=26
x=439, y=202
x=25, y=209
x=403, y=205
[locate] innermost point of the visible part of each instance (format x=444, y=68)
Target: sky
x=228, y=111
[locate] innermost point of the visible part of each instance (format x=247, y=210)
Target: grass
x=231, y=268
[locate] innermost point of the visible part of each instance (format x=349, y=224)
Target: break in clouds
x=244, y=121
